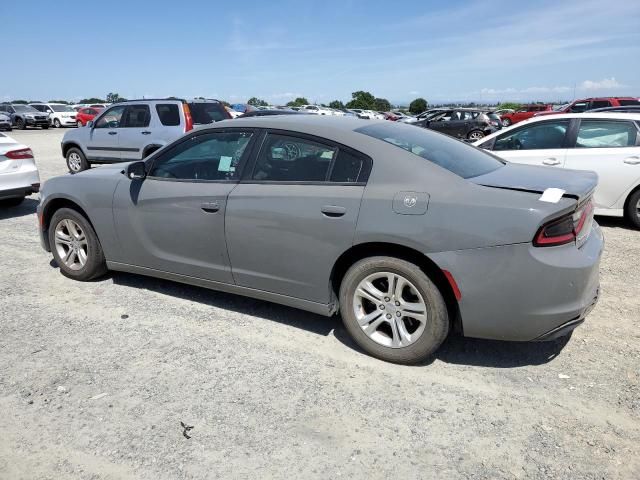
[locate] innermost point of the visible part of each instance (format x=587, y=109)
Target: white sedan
x=606, y=143
x=19, y=175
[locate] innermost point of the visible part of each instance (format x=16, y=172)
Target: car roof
x=589, y=115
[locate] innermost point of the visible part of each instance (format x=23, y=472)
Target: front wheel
x=75, y=246
x=393, y=310
x=633, y=209
x=21, y=124
x=506, y=122
x=56, y=123
x=76, y=161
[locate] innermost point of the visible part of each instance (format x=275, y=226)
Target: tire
x=506, y=122
x=76, y=161
x=379, y=342
x=12, y=202
x=56, y=123
x=21, y=124
x=632, y=210
x=71, y=231
x=475, y=135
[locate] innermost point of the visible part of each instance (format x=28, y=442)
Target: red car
x=587, y=104
x=86, y=114
x=524, y=113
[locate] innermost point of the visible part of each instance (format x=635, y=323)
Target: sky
x=489, y=50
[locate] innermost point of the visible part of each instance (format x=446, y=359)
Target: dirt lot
x=96, y=378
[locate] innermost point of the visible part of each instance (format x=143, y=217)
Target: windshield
x=557, y=108
x=24, y=108
x=61, y=108
x=446, y=152
x=204, y=112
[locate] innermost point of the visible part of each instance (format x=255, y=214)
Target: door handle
x=146, y=132
x=551, y=161
x=632, y=160
x=333, y=211
x=113, y=133
x=210, y=207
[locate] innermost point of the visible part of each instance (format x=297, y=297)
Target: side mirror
x=90, y=124
x=136, y=171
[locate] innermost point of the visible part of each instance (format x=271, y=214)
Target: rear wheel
x=393, y=310
x=475, y=135
x=76, y=161
x=75, y=246
x=633, y=209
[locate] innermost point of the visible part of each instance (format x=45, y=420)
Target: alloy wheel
x=71, y=244
x=476, y=135
x=75, y=162
x=390, y=309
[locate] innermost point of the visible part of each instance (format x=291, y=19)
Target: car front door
x=440, y=122
x=135, y=132
x=293, y=214
x=174, y=219
x=540, y=143
x=102, y=144
x=611, y=149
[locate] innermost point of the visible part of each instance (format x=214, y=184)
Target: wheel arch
x=68, y=146
x=628, y=199
x=428, y=266
x=55, y=204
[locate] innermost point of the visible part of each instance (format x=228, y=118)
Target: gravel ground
x=96, y=378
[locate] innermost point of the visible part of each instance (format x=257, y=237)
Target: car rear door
x=102, y=142
x=294, y=213
x=136, y=131
x=611, y=148
x=174, y=219
x=539, y=143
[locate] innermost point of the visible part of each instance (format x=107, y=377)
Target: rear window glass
x=169, y=114
x=203, y=113
x=446, y=152
x=628, y=102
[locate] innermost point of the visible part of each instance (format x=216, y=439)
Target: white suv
x=60, y=115
x=134, y=129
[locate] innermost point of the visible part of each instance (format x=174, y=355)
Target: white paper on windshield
x=225, y=164
x=552, y=195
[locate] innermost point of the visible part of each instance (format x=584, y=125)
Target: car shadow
x=474, y=352
x=614, y=222
x=27, y=207
x=310, y=322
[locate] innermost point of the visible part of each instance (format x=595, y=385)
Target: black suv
x=23, y=116
x=465, y=123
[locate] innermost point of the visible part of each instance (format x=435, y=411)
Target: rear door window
x=542, y=135
x=137, y=116
x=169, y=114
x=600, y=104
x=628, y=102
x=606, y=134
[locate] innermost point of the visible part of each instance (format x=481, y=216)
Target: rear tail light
x=188, y=119
x=565, y=229
x=19, y=154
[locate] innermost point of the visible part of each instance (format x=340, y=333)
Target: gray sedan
x=405, y=232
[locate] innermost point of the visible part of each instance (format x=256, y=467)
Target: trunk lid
x=576, y=184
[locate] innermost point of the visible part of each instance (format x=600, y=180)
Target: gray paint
x=274, y=242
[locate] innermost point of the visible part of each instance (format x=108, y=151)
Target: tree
x=298, y=102
x=115, y=98
x=59, y=101
x=92, y=100
x=362, y=99
x=22, y=102
x=509, y=105
x=382, y=105
x=419, y=105
x=336, y=104
x=257, y=102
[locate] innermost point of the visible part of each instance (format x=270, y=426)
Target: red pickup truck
x=586, y=104
x=527, y=111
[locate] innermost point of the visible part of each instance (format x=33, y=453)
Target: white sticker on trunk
x=552, y=195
